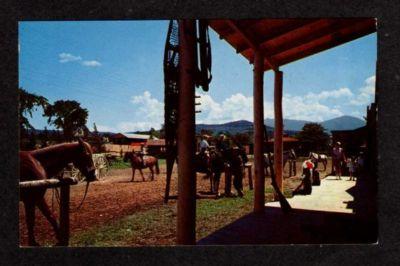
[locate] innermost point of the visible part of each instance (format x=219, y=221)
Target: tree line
x=65, y=115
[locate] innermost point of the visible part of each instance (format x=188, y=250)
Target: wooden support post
x=186, y=224
x=258, y=109
x=64, y=215
x=278, y=131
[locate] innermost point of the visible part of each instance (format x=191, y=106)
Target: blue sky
x=114, y=69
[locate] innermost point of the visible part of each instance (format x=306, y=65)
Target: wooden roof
x=283, y=41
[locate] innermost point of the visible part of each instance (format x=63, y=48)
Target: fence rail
x=64, y=185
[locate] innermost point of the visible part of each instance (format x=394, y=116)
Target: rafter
x=325, y=42
x=279, y=34
x=250, y=41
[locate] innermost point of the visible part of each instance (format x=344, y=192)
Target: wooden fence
x=64, y=185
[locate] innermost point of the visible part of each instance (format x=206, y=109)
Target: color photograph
x=198, y=132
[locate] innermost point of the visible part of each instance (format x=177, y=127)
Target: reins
x=80, y=204
x=83, y=199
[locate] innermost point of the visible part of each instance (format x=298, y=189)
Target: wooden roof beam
x=326, y=28
x=250, y=42
x=290, y=30
x=324, y=43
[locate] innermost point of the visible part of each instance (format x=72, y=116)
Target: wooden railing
x=64, y=185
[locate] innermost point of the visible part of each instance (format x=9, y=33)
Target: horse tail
x=157, y=167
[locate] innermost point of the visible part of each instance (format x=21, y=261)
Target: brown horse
x=46, y=163
x=140, y=163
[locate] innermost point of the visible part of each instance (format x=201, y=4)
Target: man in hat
x=337, y=158
x=237, y=170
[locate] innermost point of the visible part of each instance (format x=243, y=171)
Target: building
x=129, y=139
x=156, y=147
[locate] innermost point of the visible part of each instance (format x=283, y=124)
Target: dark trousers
x=238, y=181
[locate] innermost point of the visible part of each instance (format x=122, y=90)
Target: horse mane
x=55, y=148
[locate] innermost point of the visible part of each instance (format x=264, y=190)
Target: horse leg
x=44, y=208
x=325, y=163
x=141, y=173
x=133, y=174
x=152, y=172
x=30, y=222
x=210, y=174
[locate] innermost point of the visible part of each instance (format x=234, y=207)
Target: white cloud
x=103, y=128
x=296, y=107
x=366, y=93
x=236, y=107
x=91, y=63
x=67, y=57
x=323, y=95
x=147, y=112
x=239, y=106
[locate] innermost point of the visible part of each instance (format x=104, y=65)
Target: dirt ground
x=115, y=197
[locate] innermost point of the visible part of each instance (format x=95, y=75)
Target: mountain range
x=291, y=126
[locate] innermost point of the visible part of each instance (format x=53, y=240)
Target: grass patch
x=120, y=164
x=157, y=226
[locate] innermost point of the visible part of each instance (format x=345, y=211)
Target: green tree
x=154, y=133
x=313, y=137
x=28, y=102
x=68, y=116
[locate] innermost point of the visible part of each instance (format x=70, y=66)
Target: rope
x=83, y=199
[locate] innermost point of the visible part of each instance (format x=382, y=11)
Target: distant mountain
x=339, y=123
x=240, y=126
x=343, y=123
x=289, y=124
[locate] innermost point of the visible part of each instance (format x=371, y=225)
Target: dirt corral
x=114, y=198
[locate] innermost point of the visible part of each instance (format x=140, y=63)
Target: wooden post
x=186, y=224
x=258, y=109
x=64, y=215
x=278, y=131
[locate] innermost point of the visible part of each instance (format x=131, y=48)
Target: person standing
x=222, y=146
x=237, y=170
x=350, y=165
x=203, y=145
x=337, y=158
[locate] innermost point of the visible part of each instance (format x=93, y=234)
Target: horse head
x=84, y=161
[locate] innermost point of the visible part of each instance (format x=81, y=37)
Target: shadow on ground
x=307, y=226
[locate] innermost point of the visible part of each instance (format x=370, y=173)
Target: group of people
x=234, y=158
x=354, y=164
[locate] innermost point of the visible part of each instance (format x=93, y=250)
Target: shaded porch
x=337, y=212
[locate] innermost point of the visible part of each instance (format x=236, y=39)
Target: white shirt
x=204, y=144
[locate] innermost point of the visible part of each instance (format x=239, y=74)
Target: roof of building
x=131, y=136
x=283, y=41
